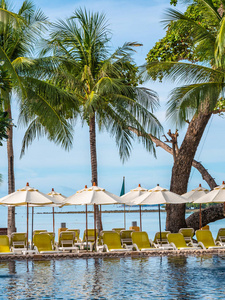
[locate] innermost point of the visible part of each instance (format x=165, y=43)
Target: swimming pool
x=172, y=277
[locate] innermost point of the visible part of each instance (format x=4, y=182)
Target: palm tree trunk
x=182, y=168
x=94, y=170
x=11, y=178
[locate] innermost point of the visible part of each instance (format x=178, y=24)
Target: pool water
x=172, y=277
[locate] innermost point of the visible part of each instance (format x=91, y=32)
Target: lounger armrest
x=201, y=245
x=174, y=246
x=190, y=244
x=151, y=242
x=218, y=243
x=136, y=247
x=105, y=247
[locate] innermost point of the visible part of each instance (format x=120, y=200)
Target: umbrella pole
x=100, y=211
x=27, y=223
x=140, y=218
x=95, y=224
x=200, y=216
x=86, y=228
x=53, y=219
x=160, y=230
x=124, y=206
x=32, y=228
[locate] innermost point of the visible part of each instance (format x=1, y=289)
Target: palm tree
x=196, y=101
x=18, y=34
x=103, y=85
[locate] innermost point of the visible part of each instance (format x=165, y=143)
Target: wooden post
x=86, y=228
x=32, y=228
x=53, y=219
x=140, y=218
x=200, y=216
x=27, y=223
x=124, y=216
x=160, y=229
x=95, y=225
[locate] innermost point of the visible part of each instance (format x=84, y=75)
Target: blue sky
x=46, y=165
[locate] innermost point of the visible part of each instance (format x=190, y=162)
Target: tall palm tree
x=18, y=35
x=103, y=85
x=199, y=98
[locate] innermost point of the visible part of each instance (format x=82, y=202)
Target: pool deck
x=132, y=254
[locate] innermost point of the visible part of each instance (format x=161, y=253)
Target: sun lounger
x=18, y=241
x=221, y=236
x=77, y=234
x=177, y=241
x=141, y=241
x=52, y=235
x=111, y=241
x=100, y=244
x=43, y=243
x=163, y=242
x=206, y=241
x=39, y=231
x=91, y=239
x=67, y=241
x=118, y=229
x=4, y=245
x=126, y=239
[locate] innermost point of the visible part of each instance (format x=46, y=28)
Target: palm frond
x=181, y=72
x=185, y=101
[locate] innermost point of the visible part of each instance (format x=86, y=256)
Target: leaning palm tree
x=103, y=85
x=18, y=35
x=200, y=97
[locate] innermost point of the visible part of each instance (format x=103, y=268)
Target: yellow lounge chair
x=206, y=240
x=188, y=234
x=163, y=242
x=221, y=236
x=39, y=231
x=177, y=241
x=100, y=244
x=141, y=241
x=18, y=241
x=126, y=239
x=4, y=245
x=67, y=241
x=43, y=243
x=52, y=235
x=77, y=234
x=118, y=229
x=91, y=238
x=111, y=241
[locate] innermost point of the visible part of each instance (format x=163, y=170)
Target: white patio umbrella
x=57, y=199
x=195, y=194
x=217, y=195
x=26, y=196
x=128, y=197
x=93, y=195
x=159, y=195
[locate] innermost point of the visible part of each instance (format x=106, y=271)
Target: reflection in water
x=170, y=277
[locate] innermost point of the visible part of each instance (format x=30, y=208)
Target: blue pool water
x=112, y=278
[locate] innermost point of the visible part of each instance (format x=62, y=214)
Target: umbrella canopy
x=26, y=195
x=159, y=195
x=217, y=195
x=138, y=191
x=57, y=198
x=195, y=194
x=92, y=195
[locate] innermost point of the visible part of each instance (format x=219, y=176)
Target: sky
x=46, y=166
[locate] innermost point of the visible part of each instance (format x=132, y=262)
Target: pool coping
x=132, y=254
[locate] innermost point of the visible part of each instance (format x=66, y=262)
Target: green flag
x=122, y=192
